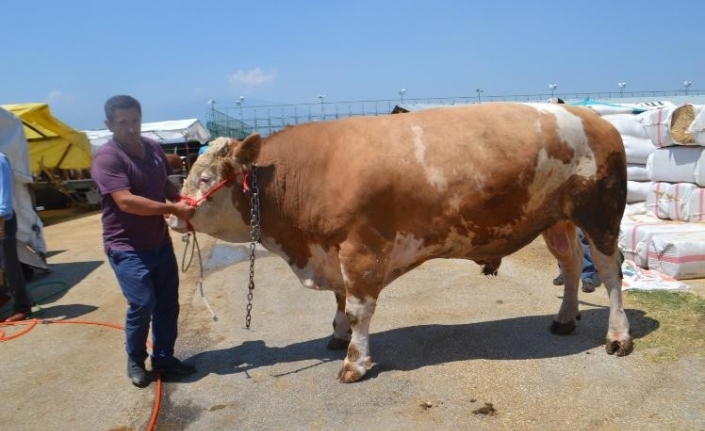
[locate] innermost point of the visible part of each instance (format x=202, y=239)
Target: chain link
x=254, y=239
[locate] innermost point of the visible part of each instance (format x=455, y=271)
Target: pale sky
x=176, y=55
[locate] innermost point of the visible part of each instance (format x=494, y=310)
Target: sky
x=176, y=55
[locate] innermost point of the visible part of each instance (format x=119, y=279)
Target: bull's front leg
x=341, y=326
x=359, y=312
x=364, y=267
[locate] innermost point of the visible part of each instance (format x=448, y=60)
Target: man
x=131, y=173
x=13, y=274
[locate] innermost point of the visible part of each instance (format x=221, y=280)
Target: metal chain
x=254, y=239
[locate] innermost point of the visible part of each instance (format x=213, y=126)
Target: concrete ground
x=452, y=349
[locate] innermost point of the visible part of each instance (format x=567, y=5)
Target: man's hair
x=121, y=102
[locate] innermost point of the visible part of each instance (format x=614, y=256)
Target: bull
x=353, y=204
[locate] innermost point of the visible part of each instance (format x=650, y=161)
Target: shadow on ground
x=49, y=287
x=414, y=347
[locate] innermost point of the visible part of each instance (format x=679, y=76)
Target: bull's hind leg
x=618, y=339
x=562, y=241
x=341, y=326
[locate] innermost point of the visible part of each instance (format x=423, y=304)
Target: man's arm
x=139, y=205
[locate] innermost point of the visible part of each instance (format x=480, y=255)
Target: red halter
x=195, y=202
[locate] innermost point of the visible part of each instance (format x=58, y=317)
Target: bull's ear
x=248, y=150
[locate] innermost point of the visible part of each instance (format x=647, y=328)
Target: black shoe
x=173, y=368
x=559, y=279
x=138, y=374
x=588, y=286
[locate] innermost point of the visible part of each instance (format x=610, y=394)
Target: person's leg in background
x=590, y=278
x=14, y=275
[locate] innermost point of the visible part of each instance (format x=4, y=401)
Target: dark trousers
x=150, y=282
x=14, y=276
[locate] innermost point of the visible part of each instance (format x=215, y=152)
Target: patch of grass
x=673, y=325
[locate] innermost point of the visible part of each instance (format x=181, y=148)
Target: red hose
x=32, y=323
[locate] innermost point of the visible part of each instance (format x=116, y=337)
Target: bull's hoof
x=337, y=343
x=353, y=371
x=620, y=347
x=349, y=375
x=563, y=328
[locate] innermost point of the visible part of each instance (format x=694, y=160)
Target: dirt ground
x=452, y=349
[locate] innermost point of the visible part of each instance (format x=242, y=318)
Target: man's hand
x=183, y=210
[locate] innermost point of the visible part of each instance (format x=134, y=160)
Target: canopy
x=52, y=144
x=164, y=132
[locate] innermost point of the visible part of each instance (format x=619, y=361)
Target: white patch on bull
x=455, y=201
x=570, y=128
x=214, y=217
x=407, y=250
x=322, y=270
x=434, y=175
x=457, y=243
x=362, y=309
x=346, y=278
x=552, y=172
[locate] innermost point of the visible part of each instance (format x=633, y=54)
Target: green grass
x=667, y=325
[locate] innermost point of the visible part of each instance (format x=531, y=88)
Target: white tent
x=164, y=132
x=31, y=246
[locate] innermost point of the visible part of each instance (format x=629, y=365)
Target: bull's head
x=214, y=186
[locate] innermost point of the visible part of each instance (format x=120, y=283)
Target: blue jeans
x=589, y=272
x=150, y=282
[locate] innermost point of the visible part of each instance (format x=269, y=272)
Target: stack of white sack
x=675, y=248
x=673, y=242
x=677, y=167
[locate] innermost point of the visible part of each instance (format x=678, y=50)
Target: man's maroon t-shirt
x=112, y=170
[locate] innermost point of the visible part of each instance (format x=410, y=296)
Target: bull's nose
x=176, y=224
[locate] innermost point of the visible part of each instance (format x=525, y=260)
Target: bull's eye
x=201, y=181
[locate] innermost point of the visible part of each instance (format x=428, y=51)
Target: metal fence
x=239, y=121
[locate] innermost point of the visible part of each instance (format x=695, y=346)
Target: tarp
x=610, y=108
x=164, y=132
x=31, y=247
x=52, y=144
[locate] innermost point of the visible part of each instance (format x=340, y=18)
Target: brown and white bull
x=353, y=204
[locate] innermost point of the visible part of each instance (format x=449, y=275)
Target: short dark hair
x=121, y=102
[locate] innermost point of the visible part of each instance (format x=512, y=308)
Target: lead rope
x=255, y=238
x=185, y=265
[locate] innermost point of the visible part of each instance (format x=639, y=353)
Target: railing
x=239, y=121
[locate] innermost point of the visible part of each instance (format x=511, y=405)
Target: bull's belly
x=409, y=251
x=323, y=269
